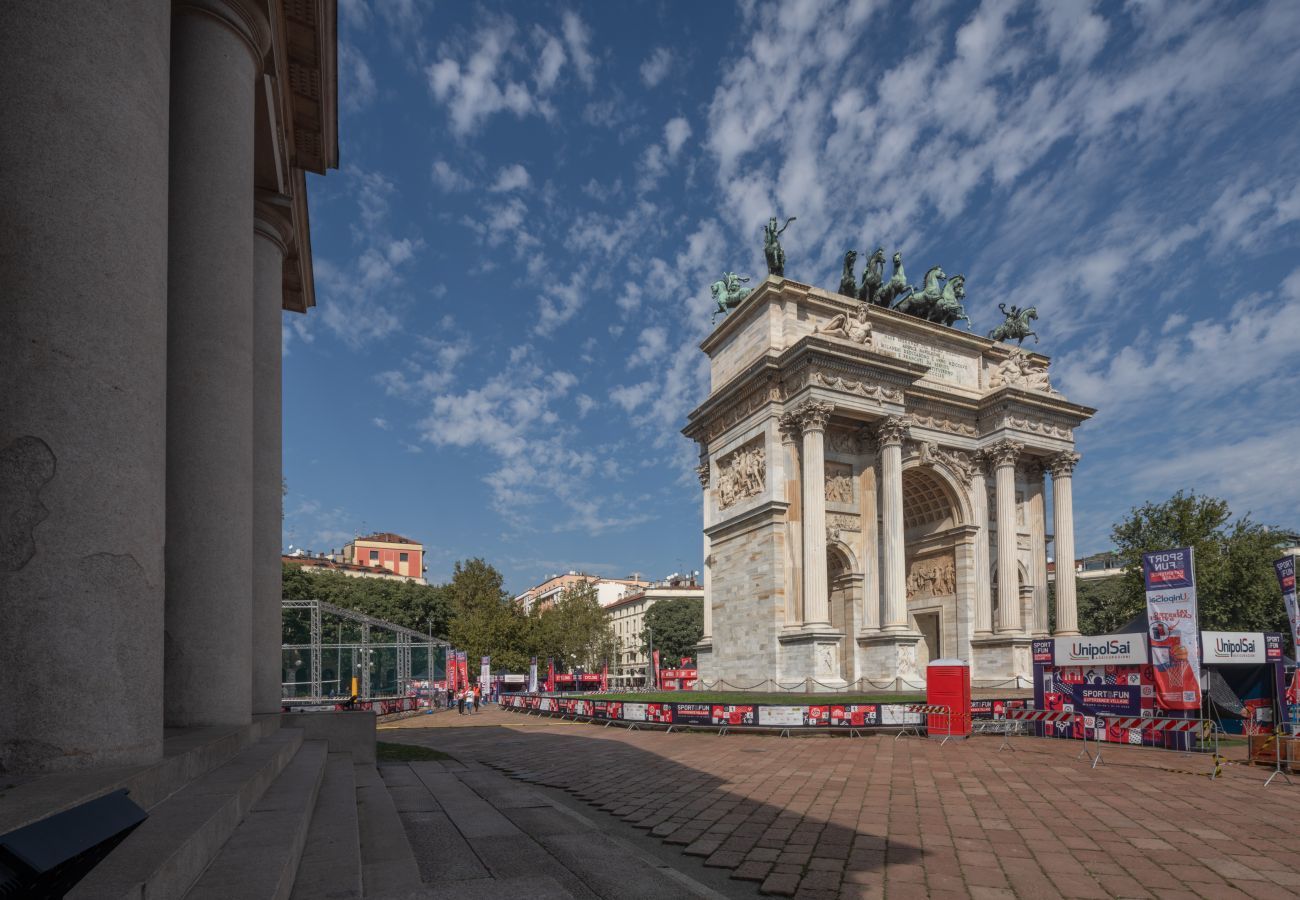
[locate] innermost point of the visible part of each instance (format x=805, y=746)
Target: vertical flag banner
x=656, y=665
x=1171, y=612
x=550, y=674
x=485, y=672
x=604, y=676
x=532, y=675
x=1285, y=569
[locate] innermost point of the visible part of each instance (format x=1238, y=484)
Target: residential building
x=322, y=563
x=608, y=590
x=627, y=621
x=385, y=550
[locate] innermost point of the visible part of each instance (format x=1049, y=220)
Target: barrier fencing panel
x=1019, y=718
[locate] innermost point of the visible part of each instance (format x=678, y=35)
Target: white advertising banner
x=634, y=712
x=485, y=672
x=783, y=716
x=532, y=675
x=1232, y=647
x=1285, y=569
x=1106, y=649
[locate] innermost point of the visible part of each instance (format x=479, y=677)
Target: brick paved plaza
x=827, y=816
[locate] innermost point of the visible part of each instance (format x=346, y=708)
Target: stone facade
x=855, y=495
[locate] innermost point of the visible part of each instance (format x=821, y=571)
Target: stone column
x=1062, y=468
x=1037, y=503
x=703, y=470
x=889, y=435
x=983, y=592
x=272, y=231
x=813, y=416
x=789, y=428
x=1004, y=455
x=868, y=506
x=217, y=49
x=83, y=282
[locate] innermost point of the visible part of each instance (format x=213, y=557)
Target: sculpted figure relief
x=855, y=327
x=743, y=474
x=931, y=578
x=772, y=246
x=1019, y=370
x=839, y=483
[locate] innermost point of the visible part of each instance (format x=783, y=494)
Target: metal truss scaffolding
x=361, y=654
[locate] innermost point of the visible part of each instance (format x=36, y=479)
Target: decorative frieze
x=947, y=424
x=1038, y=426
x=1022, y=371
x=845, y=441
x=839, y=522
x=742, y=474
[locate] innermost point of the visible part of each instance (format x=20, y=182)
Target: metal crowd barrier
x=1285, y=729
x=927, y=709
x=1021, y=718
x=1205, y=728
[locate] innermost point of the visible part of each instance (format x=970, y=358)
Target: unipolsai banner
x=1170, y=582
x=1285, y=569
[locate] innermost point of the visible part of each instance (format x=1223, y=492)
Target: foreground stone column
x=1037, y=503
x=789, y=428
x=983, y=594
x=1004, y=455
x=217, y=48
x=890, y=434
x=813, y=417
x=1062, y=468
x=704, y=471
x=272, y=231
x=83, y=282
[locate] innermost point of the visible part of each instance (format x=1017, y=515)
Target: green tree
x=575, y=631
x=678, y=625
x=486, y=621
x=421, y=607
x=1235, y=586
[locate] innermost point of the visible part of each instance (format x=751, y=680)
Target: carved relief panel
x=932, y=576
x=839, y=483
x=742, y=474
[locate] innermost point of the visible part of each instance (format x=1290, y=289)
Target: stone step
x=330, y=868
x=183, y=834
x=260, y=859
x=388, y=865
x=187, y=754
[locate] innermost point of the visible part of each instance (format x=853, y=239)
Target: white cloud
x=480, y=87
x=576, y=37
x=510, y=178
x=357, y=89
x=656, y=66
x=549, y=62
x=675, y=134
x=447, y=178
x=380, y=423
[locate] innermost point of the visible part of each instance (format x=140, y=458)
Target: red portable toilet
x=947, y=683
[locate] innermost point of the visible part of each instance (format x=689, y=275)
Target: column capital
x=788, y=425
x=243, y=17
x=1062, y=464
x=892, y=430
x=1003, y=453
x=273, y=220
x=704, y=471
x=813, y=415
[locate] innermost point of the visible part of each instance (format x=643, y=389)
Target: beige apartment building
x=627, y=620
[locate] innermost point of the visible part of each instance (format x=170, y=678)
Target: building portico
x=874, y=499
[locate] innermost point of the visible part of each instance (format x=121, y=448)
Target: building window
x=374, y=555
x=404, y=557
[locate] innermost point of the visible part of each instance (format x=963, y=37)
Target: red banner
x=656, y=665
x=550, y=674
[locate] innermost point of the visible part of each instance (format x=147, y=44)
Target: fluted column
x=889, y=436
x=813, y=417
x=1037, y=510
x=1062, y=468
x=1004, y=455
x=217, y=51
x=789, y=428
x=271, y=233
x=83, y=352
x=983, y=562
x=704, y=470
x=868, y=506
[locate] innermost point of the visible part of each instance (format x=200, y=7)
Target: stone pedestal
x=999, y=659
x=891, y=656
x=814, y=655
x=83, y=276
x=704, y=663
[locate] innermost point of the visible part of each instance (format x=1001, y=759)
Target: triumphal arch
x=875, y=495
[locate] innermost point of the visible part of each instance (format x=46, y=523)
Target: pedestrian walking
x=478, y=695
x=460, y=703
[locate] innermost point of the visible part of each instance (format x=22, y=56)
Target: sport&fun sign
x=1117, y=649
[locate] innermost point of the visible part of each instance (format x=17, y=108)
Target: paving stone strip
x=831, y=816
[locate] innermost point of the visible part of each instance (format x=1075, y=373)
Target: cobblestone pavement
x=828, y=816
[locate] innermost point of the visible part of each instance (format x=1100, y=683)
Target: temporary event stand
x=1111, y=683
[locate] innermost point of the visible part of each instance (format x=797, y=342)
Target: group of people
x=467, y=700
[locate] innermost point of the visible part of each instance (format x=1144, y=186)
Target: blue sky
x=512, y=263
